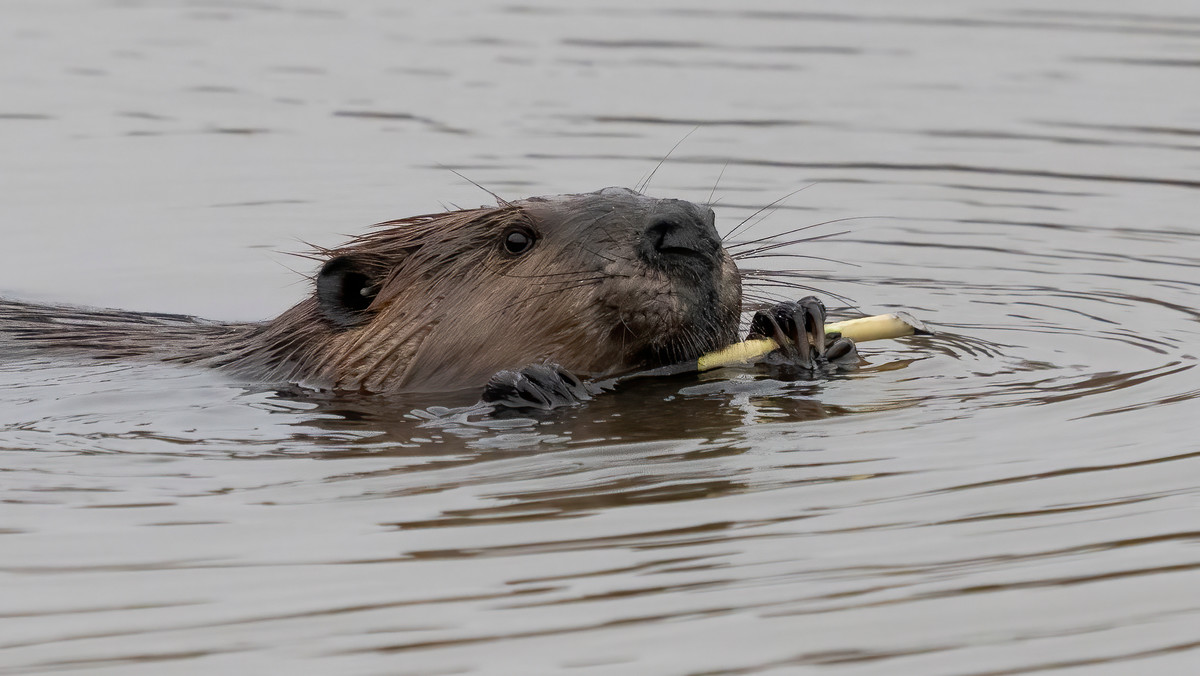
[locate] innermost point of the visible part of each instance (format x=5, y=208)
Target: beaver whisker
x=770, y=238
x=763, y=301
x=760, y=252
x=753, y=253
x=709, y=203
x=736, y=255
x=645, y=183
x=752, y=274
x=786, y=254
x=499, y=200
x=776, y=236
x=803, y=287
x=763, y=286
x=758, y=278
x=764, y=298
x=739, y=226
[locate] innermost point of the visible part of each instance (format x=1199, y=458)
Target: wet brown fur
x=452, y=307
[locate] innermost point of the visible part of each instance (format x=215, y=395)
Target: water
x=1016, y=495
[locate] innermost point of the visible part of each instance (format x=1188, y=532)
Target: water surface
x=1018, y=494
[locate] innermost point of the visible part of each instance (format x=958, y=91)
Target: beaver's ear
x=346, y=286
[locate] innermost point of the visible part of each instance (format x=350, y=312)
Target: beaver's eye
x=518, y=241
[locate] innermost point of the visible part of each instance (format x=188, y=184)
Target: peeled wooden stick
x=859, y=330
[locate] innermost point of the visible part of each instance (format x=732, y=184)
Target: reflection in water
x=1014, y=494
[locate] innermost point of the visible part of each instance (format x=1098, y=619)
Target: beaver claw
x=538, y=386
x=799, y=328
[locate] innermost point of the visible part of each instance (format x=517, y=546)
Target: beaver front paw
x=538, y=386
x=799, y=328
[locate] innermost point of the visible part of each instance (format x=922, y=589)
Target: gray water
x=1018, y=494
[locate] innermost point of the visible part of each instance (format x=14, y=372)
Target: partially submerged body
x=598, y=284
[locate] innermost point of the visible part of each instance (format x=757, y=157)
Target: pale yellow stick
x=859, y=330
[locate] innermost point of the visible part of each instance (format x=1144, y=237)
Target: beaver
x=523, y=298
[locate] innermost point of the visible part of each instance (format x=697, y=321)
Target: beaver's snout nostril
x=670, y=237
x=680, y=236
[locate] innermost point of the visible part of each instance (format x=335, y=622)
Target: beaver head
x=600, y=283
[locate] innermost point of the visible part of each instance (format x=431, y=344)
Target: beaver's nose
x=680, y=233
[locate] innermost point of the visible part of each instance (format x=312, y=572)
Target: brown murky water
x=1019, y=494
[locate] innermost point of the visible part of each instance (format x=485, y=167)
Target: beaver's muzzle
x=680, y=236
